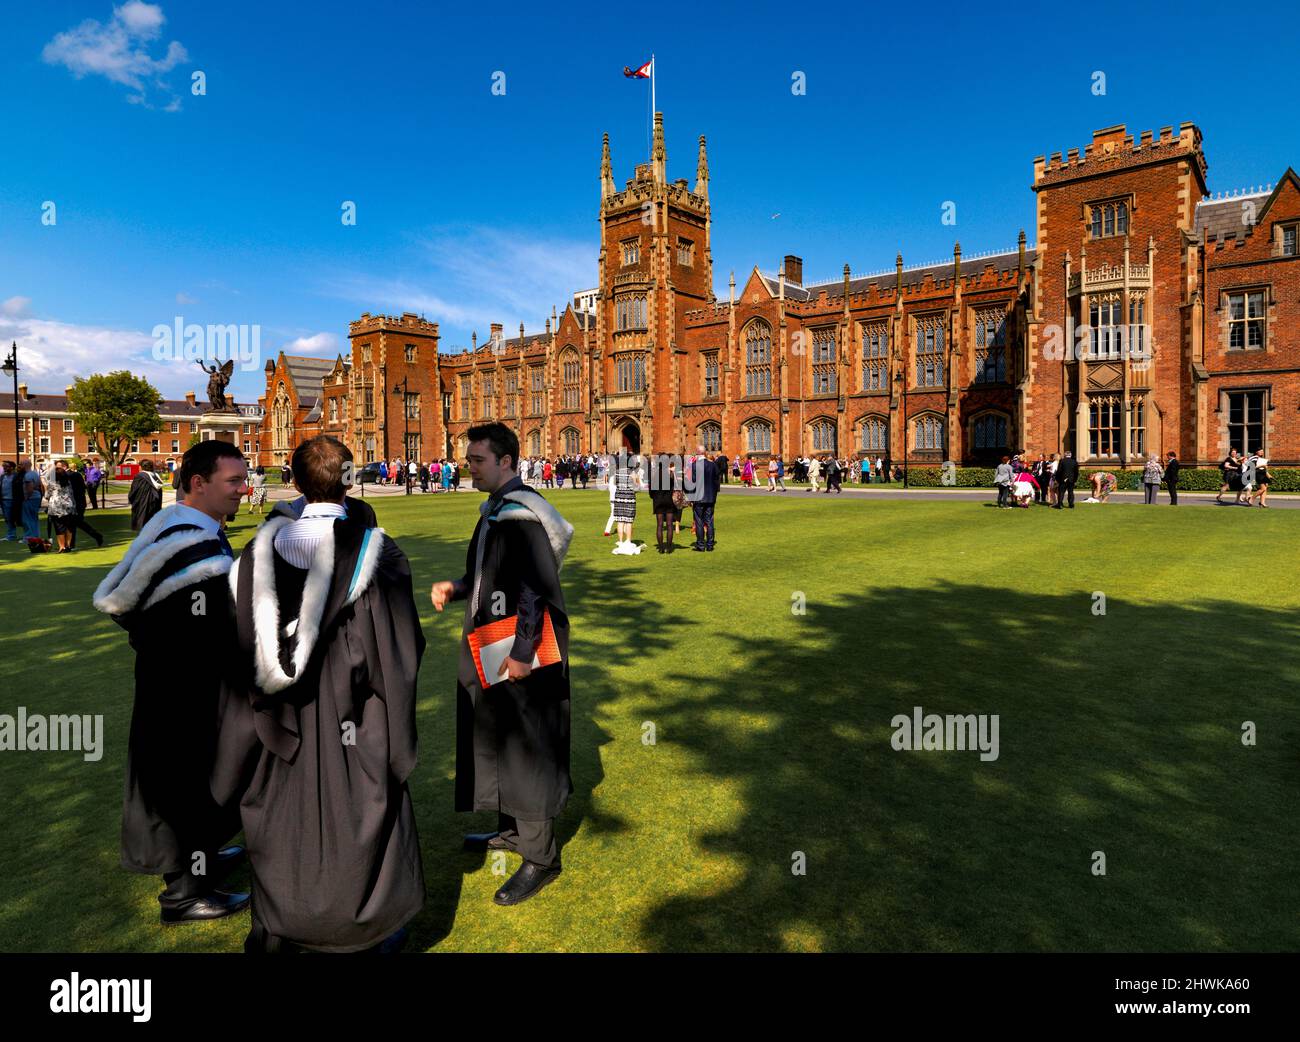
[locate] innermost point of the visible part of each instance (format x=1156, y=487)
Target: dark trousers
x=1039, y=491
x=92, y=493
x=1064, y=491
x=186, y=886
x=1003, y=494
x=1173, y=495
x=703, y=523
x=79, y=521
x=532, y=840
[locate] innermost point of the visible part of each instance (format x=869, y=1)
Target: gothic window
x=1105, y=317
x=1103, y=427
x=512, y=381
x=1246, y=320
x=758, y=436
x=824, y=361
x=630, y=312
x=875, y=357
x=711, y=375
x=928, y=434
x=571, y=370
x=631, y=251
x=758, y=359
x=631, y=372
x=1108, y=217
x=1137, y=330
x=823, y=436
x=368, y=403
x=685, y=253
x=412, y=403
x=571, y=441
x=464, y=397
x=1288, y=240
x=534, y=443
x=711, y=436
x=990, y=346
x=929, y=351
x=1137, y=426
x=874, y=434
x=989, y=433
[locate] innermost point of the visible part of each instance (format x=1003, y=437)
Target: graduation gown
x=512, y=739
x=168, y=812
x=320, y=736
x=145, y=498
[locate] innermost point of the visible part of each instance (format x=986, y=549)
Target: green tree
x=115, y=409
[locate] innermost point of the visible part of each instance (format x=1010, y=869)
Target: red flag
x=642, y=73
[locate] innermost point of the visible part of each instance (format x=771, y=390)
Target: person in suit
x=1171, y=478
x=703, y=494
x=1067, y=473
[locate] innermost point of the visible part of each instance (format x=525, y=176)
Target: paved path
x=896, y=491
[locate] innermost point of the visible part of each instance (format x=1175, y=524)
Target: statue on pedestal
x=217, y=380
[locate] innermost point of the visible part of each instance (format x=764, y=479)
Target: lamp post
x=11, y=368
x=399, y=391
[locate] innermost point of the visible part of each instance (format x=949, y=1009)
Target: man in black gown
x=145, y=496
x=512, y=732
x=171, y=596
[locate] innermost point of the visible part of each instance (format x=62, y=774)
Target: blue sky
x=474, y=207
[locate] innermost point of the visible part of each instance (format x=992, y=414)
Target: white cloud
x=16, y=307
x=317, y=344
x=474, y=277
x=119, y=51
x=184, y=298
x=52, y=354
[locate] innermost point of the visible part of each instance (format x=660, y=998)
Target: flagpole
x=653, y=110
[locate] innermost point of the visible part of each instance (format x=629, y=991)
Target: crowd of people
x=1246, y=477
x=66, y=489
x=1050, y=480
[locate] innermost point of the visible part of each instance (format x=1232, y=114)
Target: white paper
x=492, y=655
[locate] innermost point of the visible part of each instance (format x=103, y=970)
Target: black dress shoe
x=485, y=841
x=525, y=883
x=216, y=905
x=699, y=548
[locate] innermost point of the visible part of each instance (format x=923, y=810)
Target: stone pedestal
x=221, y=426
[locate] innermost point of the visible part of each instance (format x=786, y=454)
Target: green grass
x=1119, y=733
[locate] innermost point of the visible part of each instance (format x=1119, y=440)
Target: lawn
x=1119, y=733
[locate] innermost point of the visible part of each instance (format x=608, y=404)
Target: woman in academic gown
x=145, y=496
x=321, y=739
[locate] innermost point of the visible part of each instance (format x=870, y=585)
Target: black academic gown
x=320, y=737
x=512, y=740
x=170, y=594
x=145, y=500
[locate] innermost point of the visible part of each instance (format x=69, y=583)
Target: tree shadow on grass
x=1120, y=734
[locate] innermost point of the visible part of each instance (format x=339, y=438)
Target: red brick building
x=1147, y=317
x=48, y=430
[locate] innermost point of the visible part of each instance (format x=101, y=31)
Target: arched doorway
x=625, y=430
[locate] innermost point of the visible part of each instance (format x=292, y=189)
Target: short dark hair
x=502, y=440
x=317, y=466
x=201, y=460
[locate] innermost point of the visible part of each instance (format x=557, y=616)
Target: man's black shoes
x=698, y=547
x=216, y=905
x=525, y=883
x=485, y=841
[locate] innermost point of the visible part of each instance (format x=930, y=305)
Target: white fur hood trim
x=268, y=673
x=122, y=587
x=531, y=506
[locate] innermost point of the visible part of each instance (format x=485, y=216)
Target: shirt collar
x=188, y=515
x=323, y=510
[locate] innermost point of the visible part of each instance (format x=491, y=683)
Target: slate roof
x=886, y=281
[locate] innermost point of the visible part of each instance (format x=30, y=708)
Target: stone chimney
x=22, y=392
x=189, y=399
x=793, y=269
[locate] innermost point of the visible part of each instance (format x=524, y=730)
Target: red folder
x=494, y=640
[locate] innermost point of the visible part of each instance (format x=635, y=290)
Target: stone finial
x=606, y=170
x=702, y=172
